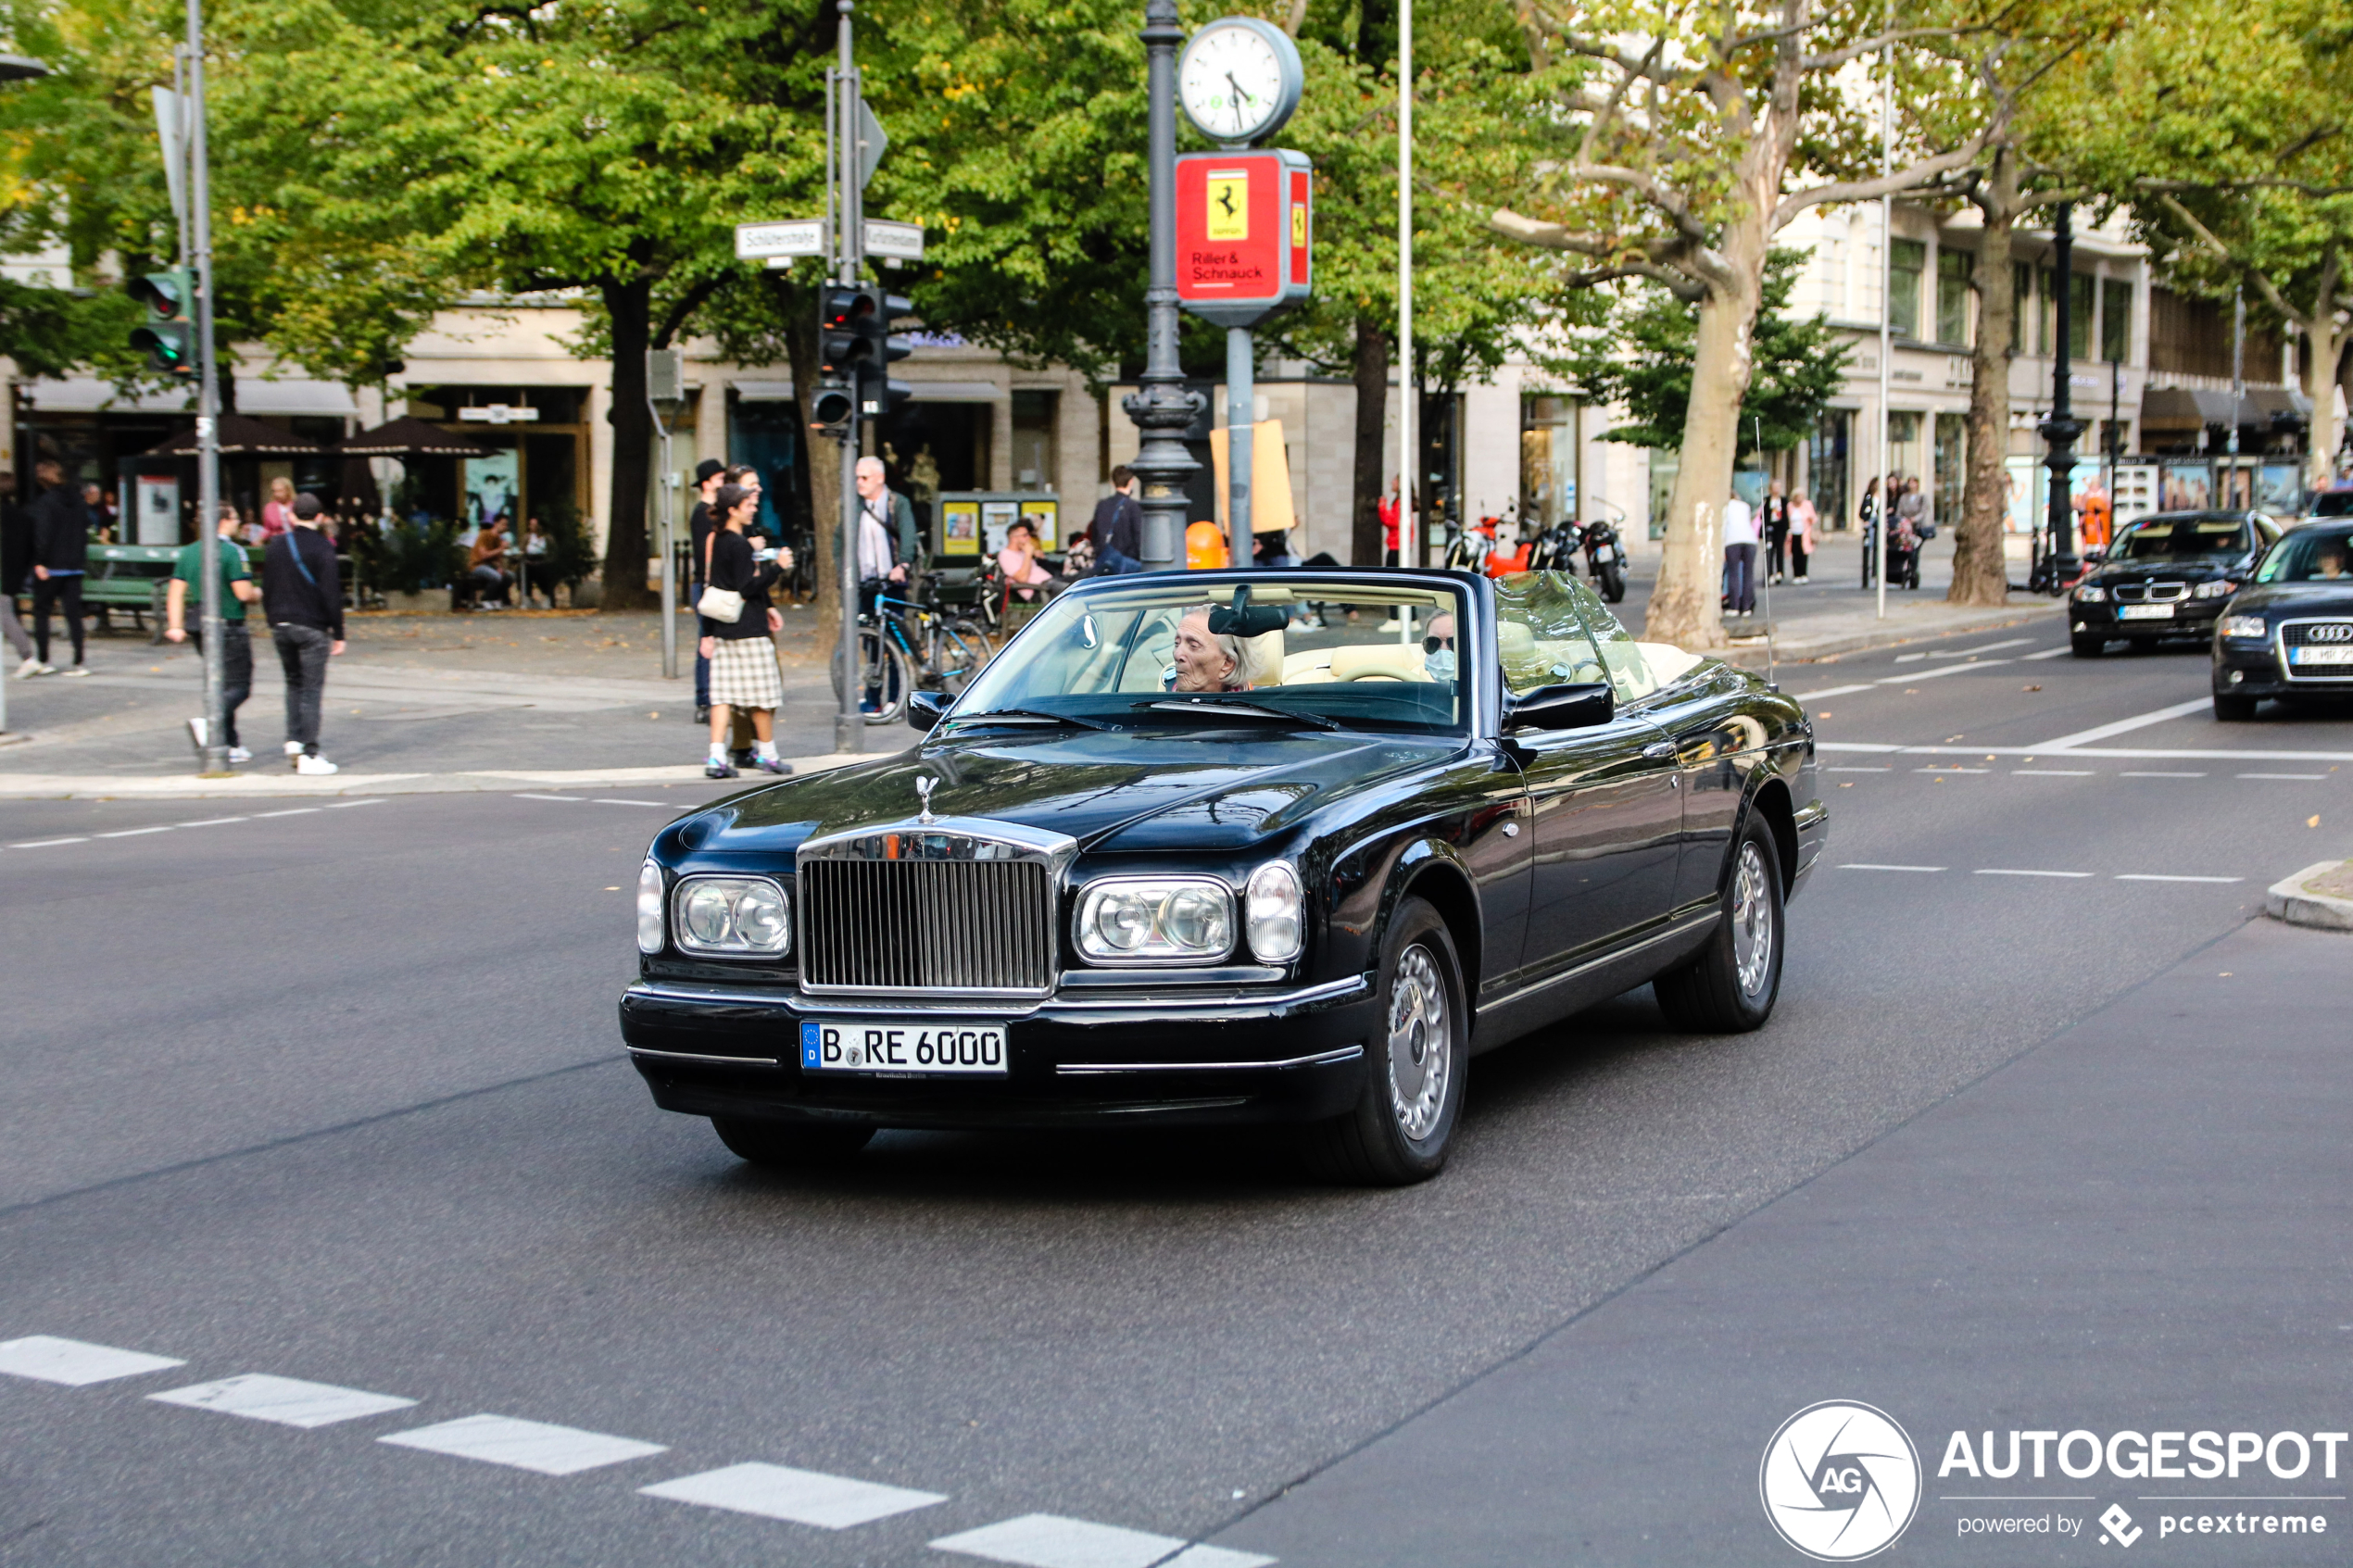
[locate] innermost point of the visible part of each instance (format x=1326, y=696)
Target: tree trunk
x=630, y=306
x=1981, y=570
x=2323, y=350
x=1686, y=607
x=1365, y=544
x=817, y=481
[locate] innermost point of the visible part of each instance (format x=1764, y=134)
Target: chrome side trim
x=718, y=1060
x=1321, y=1059
x=1613, y=956
x=1353, y=984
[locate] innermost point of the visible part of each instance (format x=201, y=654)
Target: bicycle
x=904, y=645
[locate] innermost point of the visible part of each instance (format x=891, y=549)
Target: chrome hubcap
x=1753, y=932
x=1420, y=1044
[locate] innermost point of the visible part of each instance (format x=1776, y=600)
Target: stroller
x=1903, y=556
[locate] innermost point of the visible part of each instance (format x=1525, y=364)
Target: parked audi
x=2166, y=575
x=2288, y=634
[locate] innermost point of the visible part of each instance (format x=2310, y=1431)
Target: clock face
x=1235, y=80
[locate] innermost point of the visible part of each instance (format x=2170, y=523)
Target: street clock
x=1239, y=80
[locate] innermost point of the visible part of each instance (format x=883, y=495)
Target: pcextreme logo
x=1841, y=1481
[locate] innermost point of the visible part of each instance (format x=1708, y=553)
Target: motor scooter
x=1605, y=559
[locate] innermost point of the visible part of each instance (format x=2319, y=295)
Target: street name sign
x=786, y=238
x=900, y=242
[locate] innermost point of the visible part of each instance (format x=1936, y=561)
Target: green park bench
x=134, y=579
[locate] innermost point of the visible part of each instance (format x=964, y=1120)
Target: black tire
x=884, y=671
x=2086, y=647
x=790, y=1146
x=1373, y=1144
x=1613, y=585
x=1716, y=992
x=962, y=648
x=2232, y=709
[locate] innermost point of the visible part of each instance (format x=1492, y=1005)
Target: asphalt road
x=336, y=1095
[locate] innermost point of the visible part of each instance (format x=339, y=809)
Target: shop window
x=1548, y=459
x=1034, y=466
x=1906, y=260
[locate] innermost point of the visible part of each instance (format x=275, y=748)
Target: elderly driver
x=1207, y=660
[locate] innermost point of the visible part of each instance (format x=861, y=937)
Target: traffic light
x=841, y=347
x=168, y=336
x=877, y=394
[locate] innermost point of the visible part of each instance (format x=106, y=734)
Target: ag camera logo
x=1841, y=1481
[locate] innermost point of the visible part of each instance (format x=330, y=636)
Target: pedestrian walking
x=1740, y=558
x=710, y=474
x=1912, y=507
x=237, y=590
x=1118, y=527
x=1387, y=509
x=1773, y=523
x=277, y=513
x=302, y=599
x=738, y=627
x=61, y=561
x=1867, y=512
x=16, y=565
x=1804, y=534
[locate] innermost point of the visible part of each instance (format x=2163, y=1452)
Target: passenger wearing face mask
x=1437, y=648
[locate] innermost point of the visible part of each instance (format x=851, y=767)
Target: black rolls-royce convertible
x=1236, y=847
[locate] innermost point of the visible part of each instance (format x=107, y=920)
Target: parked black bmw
x=2289, y=632
x=2167, y=575
x=1217, y=847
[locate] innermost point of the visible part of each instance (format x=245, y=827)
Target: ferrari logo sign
x=1298, y=226
x=1229, y=191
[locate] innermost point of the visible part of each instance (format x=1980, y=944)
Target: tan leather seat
x=1378, y=662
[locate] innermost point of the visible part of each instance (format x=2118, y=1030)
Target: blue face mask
x=1441, y=664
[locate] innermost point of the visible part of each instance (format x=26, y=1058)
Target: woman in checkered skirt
x=742, y=655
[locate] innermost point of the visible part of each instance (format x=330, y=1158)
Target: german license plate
x=960, y=1050
x=2337, y=653
x=1604, y=553
x=2145, y=612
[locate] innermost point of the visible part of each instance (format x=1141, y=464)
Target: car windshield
x=1375, y=654
x=2333, y=503
x=2181, y=536
x=1552, y=630
x=2310, y=555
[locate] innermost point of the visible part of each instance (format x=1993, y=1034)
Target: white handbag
x=719, y=604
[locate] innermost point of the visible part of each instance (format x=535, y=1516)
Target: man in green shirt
x=237, y=590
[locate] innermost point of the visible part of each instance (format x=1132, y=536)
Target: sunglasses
x=1431, y=644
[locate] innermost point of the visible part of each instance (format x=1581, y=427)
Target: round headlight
x=744, y=916
x=650, y=907
x=1275, y=914
x=703, y=915
x=1143, y=920
x=1196, y=920
x=759, y=917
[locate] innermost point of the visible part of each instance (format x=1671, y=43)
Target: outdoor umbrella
x=241, y=436
x=407, y=437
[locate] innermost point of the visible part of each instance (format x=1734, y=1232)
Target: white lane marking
x=1950, y=768
x=132, y=833
x=2138, y=722
x=2282, y=775
x=1993, y=871
x=2080, y=753
x=363, y=800
x=1832, y=691
x=1870, y=866
x=805, y=1497
x=2046, y=653
x=2056, y=772
x=1909, y=657
x=1854, y=770
x=289, y=1401
x=1983, y=647
x=2130, y=774
x=46, y=1358
x=574, y=799
x=1948, y=670
x=601, y=801
x=296, y=811
x=1048, y=1540
x=47, y=843
x=211, y=822
x=525, y=1445
x=2153, y=876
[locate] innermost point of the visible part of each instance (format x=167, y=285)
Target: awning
x=241, y=436
x=958, y=392
x=86, y=395
x=763, y=392
x=2186, y=407
x=295, y=395
x=2278, y=404
x=407, y=437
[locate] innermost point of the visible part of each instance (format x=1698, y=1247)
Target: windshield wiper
x=1236, y=708
x=1029, y=716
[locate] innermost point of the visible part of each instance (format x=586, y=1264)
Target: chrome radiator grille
x=916, y=925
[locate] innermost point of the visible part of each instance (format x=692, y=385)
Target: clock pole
x=1162, y=408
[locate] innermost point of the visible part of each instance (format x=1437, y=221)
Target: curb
x=2297, y=902
x=1891, y=634
x=276, y=786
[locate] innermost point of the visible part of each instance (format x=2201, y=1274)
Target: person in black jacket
x=16, y=565
x=742, y=654
x=302, y=599
x=1119, y=526
x=60, y=559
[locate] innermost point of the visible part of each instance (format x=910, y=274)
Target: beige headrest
x=1392, y=661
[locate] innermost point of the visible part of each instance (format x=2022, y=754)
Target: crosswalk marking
x=289, y=1401
x=525, y=1445
x=804, y=1496
x=1048, y=1540
x=46, y=1358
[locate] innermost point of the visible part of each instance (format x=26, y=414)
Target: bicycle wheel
x=959, y=649
x=884, y=677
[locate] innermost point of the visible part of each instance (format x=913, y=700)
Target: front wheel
x=1613, y=584
x=1404, y=1122
x=1729, y=987
x=789, y=1146
x=960, y=649
x=884, y=677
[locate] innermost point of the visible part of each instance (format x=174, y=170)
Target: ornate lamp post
x=1162, y=408
x=2061, y=429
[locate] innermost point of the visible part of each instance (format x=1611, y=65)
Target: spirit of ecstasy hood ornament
x=924, y=784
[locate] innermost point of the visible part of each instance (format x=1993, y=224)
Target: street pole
x=1162, y=410
x=1241, y=427
x=2061, y=429
x=216, y=736
x=1882, y=526
x=668, y=547
x=2239, y=370
x=1408, y=460
x=850, y=723
x=20, y=68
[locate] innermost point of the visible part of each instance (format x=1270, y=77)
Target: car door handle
x=1659, y=750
